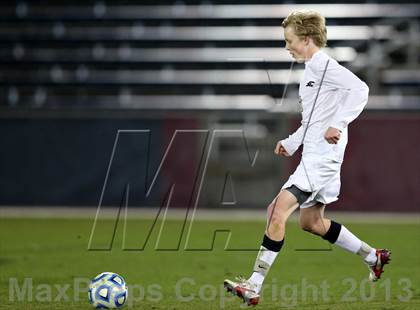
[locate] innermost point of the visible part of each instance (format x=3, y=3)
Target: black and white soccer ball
x=108, y=290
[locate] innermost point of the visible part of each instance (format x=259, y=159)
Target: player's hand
x=280, y=150
x=332, y=135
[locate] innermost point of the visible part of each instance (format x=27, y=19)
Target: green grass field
x=52, y=255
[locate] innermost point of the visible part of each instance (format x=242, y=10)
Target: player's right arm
x=280, y=150
x=288, y=146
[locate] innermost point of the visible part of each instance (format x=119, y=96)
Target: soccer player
x=331, y=97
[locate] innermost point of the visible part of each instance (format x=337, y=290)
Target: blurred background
x=100, y=96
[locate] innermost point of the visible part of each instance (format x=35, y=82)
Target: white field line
x=201, y=214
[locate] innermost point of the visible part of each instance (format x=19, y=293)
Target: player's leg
x=312, y=220
x=277, y=214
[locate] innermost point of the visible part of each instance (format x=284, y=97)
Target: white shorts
x=321, y=177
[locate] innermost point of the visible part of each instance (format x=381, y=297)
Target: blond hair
x=308, y=24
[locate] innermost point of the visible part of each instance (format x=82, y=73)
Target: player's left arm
x=353, y=102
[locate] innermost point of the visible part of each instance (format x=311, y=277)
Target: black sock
x=333, y=233
x=272, y=245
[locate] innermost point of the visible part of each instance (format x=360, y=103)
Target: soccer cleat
x=383, y=257
x=243, y=289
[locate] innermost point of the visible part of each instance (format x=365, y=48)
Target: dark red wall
x=381, y=170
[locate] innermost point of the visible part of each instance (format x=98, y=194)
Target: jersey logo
x=310, y=84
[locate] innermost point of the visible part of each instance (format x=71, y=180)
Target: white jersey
x=330, y=96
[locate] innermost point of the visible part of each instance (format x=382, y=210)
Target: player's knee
x=275, y=212
x=277, y=219
x=270, y=208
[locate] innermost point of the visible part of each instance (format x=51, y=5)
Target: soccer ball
x=108, y=291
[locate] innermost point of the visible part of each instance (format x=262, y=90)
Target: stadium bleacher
x=167, y=54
